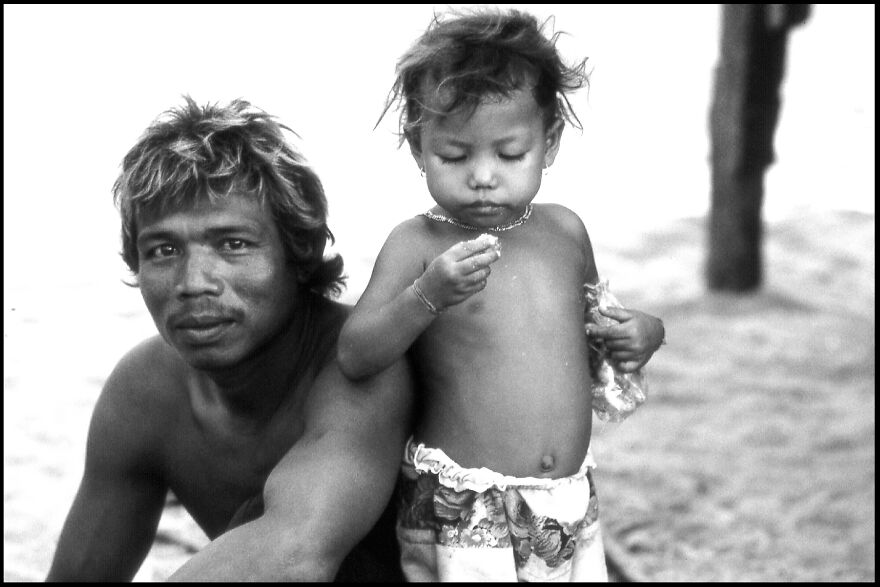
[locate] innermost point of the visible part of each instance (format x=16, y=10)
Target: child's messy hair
x=463, y=58
x=194, y=153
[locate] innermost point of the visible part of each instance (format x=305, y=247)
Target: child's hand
x=633, y=341
x=460, y=272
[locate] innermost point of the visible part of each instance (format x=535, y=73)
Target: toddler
x=485, y=291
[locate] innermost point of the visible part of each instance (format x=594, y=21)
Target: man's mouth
x=202, y=329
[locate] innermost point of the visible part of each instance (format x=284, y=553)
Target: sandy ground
x=753, y=458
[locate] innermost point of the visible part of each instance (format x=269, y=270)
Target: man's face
x=215, y=279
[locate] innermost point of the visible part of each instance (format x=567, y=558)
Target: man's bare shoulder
x=332, y=314
x=330, y=318
x=141, y=400
x=150, y=373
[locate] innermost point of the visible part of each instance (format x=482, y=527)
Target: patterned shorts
x=457, y=524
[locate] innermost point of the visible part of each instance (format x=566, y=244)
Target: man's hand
x=632, y=341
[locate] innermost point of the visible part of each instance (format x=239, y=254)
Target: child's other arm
x=403, y=298
x=633, y=341
x=636, y=338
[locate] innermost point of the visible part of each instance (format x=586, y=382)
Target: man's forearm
x=326, y=493
x=257, y=551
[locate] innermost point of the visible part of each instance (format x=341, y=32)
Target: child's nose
x=482, y=174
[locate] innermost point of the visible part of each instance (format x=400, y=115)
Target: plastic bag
x=616, y=395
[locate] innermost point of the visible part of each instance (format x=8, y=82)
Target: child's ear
x=416, y=153
x=552, y=139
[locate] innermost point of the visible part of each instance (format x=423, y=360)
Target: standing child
x=496, y=481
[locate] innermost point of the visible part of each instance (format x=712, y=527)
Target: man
x=237, y=406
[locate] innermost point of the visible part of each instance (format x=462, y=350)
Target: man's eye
x=234, y=244
x=161, y=251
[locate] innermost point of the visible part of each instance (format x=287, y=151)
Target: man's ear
x=553, y=138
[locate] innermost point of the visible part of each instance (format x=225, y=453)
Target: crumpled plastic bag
x=616, y=395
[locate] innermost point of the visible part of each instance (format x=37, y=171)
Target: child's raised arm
x=404, y=296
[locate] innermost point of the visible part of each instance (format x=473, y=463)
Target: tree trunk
x=744, y=112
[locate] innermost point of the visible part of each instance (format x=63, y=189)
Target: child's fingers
x=474, y=282
x=629, y=366
x=619, y=314
x=623, y=355
x=484, y=242
x=610, y=332
x=618, y=345
x=479, y=261
x=459, y=251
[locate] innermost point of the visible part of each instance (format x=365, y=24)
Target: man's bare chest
x=219, y=477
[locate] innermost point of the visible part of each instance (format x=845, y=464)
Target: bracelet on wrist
x=425, y=301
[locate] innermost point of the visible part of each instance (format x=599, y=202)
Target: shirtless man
x=237, y=406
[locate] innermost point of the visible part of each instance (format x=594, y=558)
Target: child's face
x=484, y=169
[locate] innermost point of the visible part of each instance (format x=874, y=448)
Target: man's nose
x=199, y=273
x=482, y=174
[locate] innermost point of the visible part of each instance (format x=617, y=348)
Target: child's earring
x=422, y=171
x=546, y=170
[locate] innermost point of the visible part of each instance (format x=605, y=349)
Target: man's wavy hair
x=193, y=153
x=467, y=57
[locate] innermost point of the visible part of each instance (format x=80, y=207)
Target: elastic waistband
x=453, y=475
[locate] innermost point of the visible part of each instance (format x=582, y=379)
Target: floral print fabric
x=519, y=532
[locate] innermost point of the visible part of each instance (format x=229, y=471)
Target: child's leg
x=555, y=531
x=415, y=525
x=588, y=562
x=450, y=536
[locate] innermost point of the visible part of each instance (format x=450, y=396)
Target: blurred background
x=754, y=456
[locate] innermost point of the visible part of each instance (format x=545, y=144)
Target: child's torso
x=504, y=375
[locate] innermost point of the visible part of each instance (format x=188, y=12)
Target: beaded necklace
x=499, y=228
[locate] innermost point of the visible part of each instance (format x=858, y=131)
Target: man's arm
x=327, y=492
x=114, y=516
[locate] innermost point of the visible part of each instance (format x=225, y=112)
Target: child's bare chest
x=533, y=301
x=530, y=278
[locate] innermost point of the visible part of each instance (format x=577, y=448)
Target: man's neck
x=253, y=391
